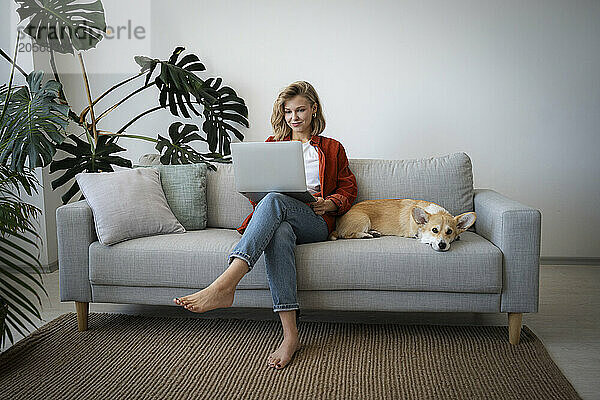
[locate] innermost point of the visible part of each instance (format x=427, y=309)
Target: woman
x=278, y=222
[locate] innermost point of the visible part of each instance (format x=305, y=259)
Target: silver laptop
x=263, y=167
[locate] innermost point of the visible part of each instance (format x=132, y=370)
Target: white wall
x=514, y=84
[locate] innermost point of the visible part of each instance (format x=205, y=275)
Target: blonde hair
x=299, y=88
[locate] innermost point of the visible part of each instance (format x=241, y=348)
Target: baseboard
x=52, y=267
x=570, y=261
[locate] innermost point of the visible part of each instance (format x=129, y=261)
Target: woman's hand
x=321, y=206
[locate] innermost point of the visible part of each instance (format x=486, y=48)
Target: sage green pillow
x=185, y=189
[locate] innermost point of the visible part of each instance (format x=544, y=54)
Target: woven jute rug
x=134, y=357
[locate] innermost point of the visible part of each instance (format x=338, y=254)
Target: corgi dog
x=423, y=220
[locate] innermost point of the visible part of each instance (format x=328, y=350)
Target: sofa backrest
x=447, y=181
x=226, y=208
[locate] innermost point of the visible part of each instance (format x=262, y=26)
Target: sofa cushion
x=226, y=207
x=191, y=260
x=127, y=204
x=194, y=259
x=447, y=180
x=185, y=189
x=472, y=265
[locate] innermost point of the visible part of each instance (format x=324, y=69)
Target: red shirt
x=338, y=183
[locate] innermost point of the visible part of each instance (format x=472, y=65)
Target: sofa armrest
x=515, y=229
x=75, y=232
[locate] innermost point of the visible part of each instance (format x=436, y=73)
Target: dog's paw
x=374, y=233
x=362, y=235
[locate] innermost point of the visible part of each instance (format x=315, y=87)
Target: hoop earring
x=315, y=115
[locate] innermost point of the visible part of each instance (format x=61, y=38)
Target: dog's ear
x=465, y=221
x=419, y=215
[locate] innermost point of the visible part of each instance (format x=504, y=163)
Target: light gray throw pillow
x=127, y=204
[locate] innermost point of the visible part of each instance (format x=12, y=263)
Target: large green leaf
x=228, y=109
x=86, y=158
x=34, y=123
x=63, y=25
x=178, y=150
x=177, y=82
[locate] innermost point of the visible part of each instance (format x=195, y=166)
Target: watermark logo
x=41, y=34
x=130, y=31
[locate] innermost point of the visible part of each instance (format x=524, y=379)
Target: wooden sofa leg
x=82, y=315
x=514, y=327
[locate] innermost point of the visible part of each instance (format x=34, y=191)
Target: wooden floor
x=568, y=321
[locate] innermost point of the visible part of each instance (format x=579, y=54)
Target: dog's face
x=440, y=229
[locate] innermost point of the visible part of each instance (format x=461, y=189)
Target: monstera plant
x=180, y=91
x=71, y=26
x=36, y=116
x=63, y=26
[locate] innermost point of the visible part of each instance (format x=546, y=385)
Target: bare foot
x=283, y=355
x=206, y=299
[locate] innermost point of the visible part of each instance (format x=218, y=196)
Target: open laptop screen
x=263, y=167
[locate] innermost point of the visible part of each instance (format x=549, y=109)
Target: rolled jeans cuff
x=286, y=307
x=241, y=256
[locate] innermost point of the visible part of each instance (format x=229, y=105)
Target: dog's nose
x=442, y=245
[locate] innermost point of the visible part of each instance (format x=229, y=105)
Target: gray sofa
x=493, y=268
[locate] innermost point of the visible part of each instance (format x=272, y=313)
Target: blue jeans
x=279, y=223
